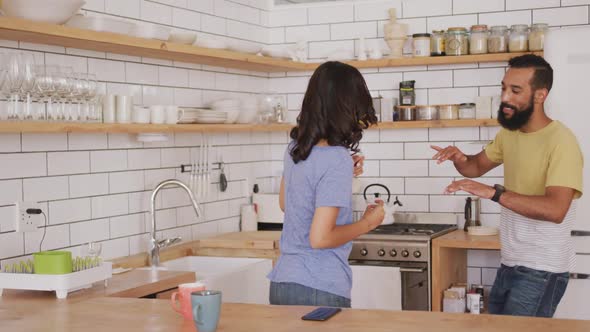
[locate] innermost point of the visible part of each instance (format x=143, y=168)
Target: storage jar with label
x=518, y=40
x=456, y=42
x=437, y=43
x=467, y=111
x=537, y=36
x=421, y=44
x=478, y=39
x=498, y=39
x=407, y=95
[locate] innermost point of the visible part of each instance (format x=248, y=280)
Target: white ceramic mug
x=141, y=115
x=124, y=104
x=173, y=114
x=109, y=108
x=157, y=114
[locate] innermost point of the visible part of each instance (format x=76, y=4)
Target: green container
x=52, y=262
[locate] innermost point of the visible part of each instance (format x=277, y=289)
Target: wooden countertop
x=120, y=314
x=243, y=240
x=462, y=239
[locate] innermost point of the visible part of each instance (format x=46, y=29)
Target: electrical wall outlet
x=25, y=222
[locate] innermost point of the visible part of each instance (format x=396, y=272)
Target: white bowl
x=244, y=47
x=232, y=116
x=210, y=43
x=151, y=31
x=182, y=37
x=49, y=11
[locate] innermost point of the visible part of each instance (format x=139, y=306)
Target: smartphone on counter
x=321, y=314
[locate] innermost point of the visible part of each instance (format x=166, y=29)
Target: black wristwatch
x=499, y=191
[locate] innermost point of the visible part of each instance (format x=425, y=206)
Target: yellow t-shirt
x=532, y=161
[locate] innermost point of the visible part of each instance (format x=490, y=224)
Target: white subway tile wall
x=96, y=187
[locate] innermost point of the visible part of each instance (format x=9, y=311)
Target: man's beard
x=519, y=117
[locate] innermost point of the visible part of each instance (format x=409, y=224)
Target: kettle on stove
x=388, y=205
x=472, y=209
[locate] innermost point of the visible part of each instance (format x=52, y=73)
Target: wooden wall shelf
x=72, y=127
x=44, y=33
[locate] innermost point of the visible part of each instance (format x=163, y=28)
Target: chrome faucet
x=155, y=245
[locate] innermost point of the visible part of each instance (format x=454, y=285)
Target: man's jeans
x=289, y=293
x=521, y=291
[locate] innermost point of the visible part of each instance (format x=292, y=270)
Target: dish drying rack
x=62, y=284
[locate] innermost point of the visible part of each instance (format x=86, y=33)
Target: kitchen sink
x=241, y=280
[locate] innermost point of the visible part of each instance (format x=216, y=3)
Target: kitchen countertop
x=114, y=314
x=462, y=239
x=244, y=240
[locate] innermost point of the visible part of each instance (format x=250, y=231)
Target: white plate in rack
x=62, y=284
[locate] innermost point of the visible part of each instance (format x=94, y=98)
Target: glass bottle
x=437, y=43
x=537, y=36
x=518, y=40
x=498, y=39
x=456, y=42
x=478, y=39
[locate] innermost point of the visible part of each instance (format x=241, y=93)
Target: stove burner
x=410, y=229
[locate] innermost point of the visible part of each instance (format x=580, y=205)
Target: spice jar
x=498, y=39
x=467, y=111
x=448, y=112
x=478, y=39
x=421, y=44
x=456, y=42
x=537, y=36
x=437, y=43
x=518, y=40
x=407, y=95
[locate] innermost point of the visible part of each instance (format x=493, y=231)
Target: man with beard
x=542, y=177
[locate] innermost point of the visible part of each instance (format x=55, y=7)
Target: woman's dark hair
x=337, y=107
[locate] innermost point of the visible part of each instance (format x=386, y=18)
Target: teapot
x=388, y=205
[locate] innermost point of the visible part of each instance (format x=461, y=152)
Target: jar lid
x=407, y=84
x=480, y=27
x=456, y=29
x=406, y=106
x=467, y=105
x=443, y=105
x=418, y=35
x=519, y=27
x=499, y=27
x=540, y=26
x=438, y=31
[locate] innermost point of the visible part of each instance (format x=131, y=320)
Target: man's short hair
x=543, y=76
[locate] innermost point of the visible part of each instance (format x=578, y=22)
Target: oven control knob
x=417, y=254
x=381, y=252
x=393, y=253
x=364, y=252
x=405, y=253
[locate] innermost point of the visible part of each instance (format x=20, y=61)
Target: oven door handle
x=412, y=269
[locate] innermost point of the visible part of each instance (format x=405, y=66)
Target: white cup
x=124, y=104
x=173, y=114
x=109, y=108
x=157, y=114
x=141, y=115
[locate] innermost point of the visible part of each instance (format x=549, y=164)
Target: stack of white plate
x=202, y=115
x=229, y=106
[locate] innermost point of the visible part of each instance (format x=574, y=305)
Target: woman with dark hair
x=316, y=191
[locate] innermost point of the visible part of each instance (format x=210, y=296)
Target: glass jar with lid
x=467, y=111
x=437, y=43
x=498, y=39
x=456, y=41
x=478, y=39
x=537, y=36
x=421, y=44
x=518, y=40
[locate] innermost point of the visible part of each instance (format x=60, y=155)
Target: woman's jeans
x=289, y=293
x=521, y=291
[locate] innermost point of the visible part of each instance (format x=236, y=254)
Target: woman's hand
x=358, y=162
x=374, y=215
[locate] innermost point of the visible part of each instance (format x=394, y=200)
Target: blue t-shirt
x=323, y=179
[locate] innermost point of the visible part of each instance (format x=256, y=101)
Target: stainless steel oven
x=403, y=246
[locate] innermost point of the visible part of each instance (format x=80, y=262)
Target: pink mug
x=184, y=298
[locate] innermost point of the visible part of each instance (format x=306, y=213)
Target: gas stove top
x=430, y=230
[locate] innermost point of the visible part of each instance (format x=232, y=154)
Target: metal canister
x=479, y=290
